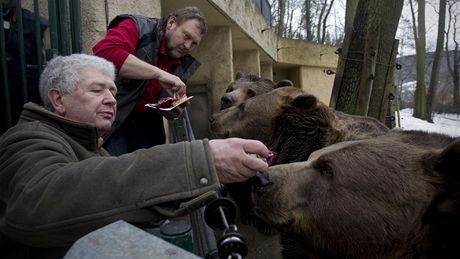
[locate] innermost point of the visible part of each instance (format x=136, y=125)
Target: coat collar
x=84, y=133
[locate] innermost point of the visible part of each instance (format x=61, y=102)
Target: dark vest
x=129, y=91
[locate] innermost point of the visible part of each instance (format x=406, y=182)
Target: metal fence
x=23, y=52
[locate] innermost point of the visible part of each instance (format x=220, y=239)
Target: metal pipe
x=205, y=244
x=63, y=16
x=4, y=72
x=22, y=53
x=38, y=36
x=53, y=29
x=75, y=26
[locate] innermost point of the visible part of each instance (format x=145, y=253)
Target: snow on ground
x=443, y=123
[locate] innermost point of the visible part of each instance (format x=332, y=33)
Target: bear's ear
x=304, y=101
x=239, y=75
x=445, y=207
x=283, y=83
x=448, y=161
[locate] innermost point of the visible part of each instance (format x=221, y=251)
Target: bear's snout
x=261, y=180
x=226, y=101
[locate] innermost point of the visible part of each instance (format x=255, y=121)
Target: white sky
x=431, y=28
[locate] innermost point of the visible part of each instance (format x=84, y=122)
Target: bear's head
x=306, y=124
x=288, y=120
x=247, y=86
x=392, y=196
x=253, y=117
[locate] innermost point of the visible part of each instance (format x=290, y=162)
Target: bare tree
x=281, y=12
x=434, y=79
x=360, y=54
x=320, y=19
x=420, y=42
x=308, y=20
x=324, y=21
x=453, y=56
x=383, y=82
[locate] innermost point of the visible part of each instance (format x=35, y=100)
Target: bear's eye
x=324, y=168
x=326, y=171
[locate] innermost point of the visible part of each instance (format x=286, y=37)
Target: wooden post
x=367, y=73
x=389, y=107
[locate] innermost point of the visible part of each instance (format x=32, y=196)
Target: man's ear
x=55, y=97
x=170, y=23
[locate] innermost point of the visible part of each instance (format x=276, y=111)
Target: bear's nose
x=261, y=180
x=225, y=102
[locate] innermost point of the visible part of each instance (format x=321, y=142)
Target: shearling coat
x=57, y=183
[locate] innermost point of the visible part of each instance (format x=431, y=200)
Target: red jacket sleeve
x=118, y=43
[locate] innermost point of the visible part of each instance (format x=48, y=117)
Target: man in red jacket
x=152, y=60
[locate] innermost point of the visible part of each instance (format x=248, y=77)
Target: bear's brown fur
x=393, y=196
x=254, y=119
x=246, y=86
x=305, y=124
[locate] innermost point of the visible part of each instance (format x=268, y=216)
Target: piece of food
x=167, y=103
x=271, y=157
x=180, y=101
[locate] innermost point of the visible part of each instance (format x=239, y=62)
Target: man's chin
x=103, y=128
x=176, y=54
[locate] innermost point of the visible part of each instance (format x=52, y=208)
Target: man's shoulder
x=141, y=21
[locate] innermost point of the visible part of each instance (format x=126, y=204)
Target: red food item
x=165, y=102
x=271, y=157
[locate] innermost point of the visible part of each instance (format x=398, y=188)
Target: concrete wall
x=96, y=15
x=247, y=62
x=305, y=64
x=266, y=71
x=316, y=82
x=216, y=57
x=305, y=53
x=251, y=22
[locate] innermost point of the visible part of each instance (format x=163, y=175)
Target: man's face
x=181, y=39
x=93, y=101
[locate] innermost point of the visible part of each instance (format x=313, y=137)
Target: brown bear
x=299, y=118
x=392, y=196
x=246, y=86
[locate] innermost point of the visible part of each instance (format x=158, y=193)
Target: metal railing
x=23, y=54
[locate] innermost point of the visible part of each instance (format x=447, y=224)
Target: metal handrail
x=204, y=239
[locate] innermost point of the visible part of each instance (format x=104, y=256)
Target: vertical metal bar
x=63, y=15
x=4, y=72
x=206, y=244
x=75, y=26
x=53, y=27
x=38, y=36
x=22, y=53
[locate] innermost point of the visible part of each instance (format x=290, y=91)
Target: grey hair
x=63, y=73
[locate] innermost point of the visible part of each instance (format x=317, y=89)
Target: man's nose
x=110, y=99
x=188, y=44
